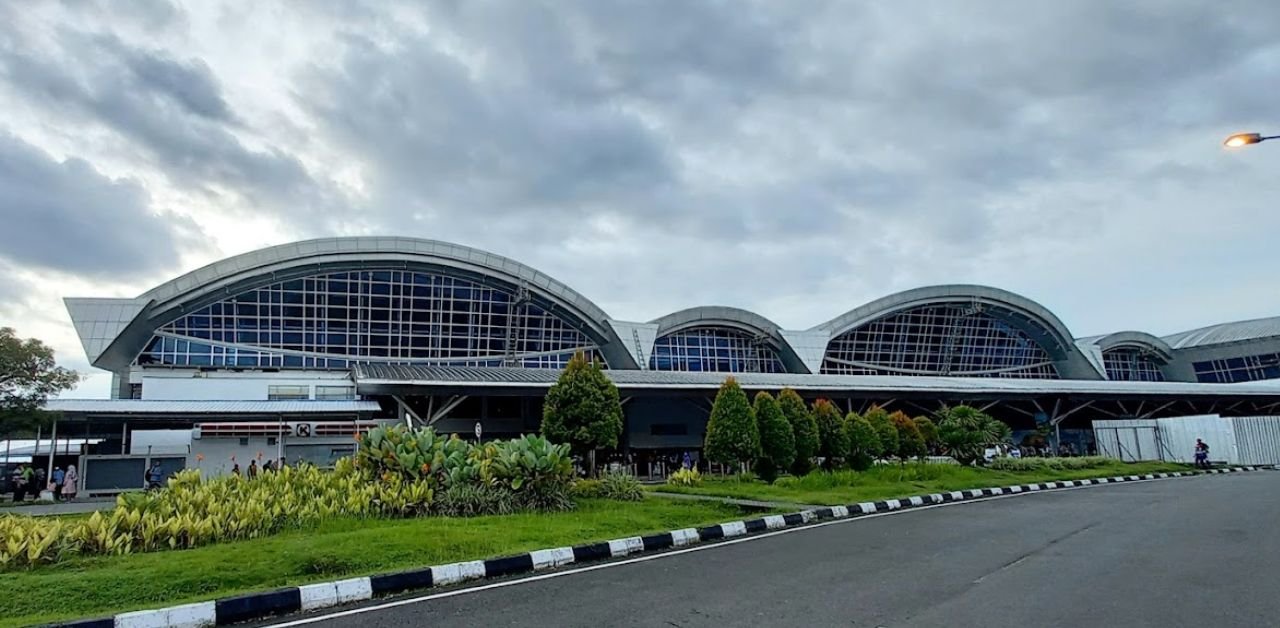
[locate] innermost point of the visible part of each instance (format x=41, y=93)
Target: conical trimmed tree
x=732, y=435
x=803, y=428
x=583, y=409
x=879, y=419
x=864, y=443
x=777, y=443
x=833, y=443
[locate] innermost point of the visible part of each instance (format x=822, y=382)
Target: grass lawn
x=890, y=482
x=104, y=585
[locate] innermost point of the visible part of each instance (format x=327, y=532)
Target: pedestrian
x=235, y=469
x=154, y=476
x=28, y=482
x=1202, y=454
x=268, y=466
x=69, y=482
x=59, y=476
x=19, y=484
x=282, y=464
x=253, y=469
x=40, y=484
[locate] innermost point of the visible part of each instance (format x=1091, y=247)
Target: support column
x=53, y=449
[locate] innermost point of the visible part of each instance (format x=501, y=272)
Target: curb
x=320, y=595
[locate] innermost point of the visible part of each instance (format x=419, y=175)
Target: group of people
x=252, y=471
x=30, y=481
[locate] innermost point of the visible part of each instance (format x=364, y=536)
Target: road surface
x=1186, y=552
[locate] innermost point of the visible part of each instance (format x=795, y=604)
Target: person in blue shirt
x=58, y=476
x=155, y=475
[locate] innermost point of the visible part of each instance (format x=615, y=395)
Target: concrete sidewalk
x=63, y=508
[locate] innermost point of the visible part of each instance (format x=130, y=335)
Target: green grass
x=88, y=587
x=892, y=481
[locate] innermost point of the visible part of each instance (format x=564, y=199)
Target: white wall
x=214, y=385
x=158, y=442
x=1178, y=437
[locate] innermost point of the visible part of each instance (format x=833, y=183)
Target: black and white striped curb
x=326, y=594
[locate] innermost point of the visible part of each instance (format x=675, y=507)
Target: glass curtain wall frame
x=1131, y=364
x=714, y=349
x=333, y=320
x=957, y=340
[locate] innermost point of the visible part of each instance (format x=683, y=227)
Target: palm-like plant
x=966, y=431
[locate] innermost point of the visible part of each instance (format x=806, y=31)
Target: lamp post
x=1245, y=139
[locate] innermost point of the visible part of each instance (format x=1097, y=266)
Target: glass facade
x=945, y=339
x=1131, y=364
x=1242, y=369
x=337, y=319
x=714, y=349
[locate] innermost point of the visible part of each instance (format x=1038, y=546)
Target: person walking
x=253, y=469
x=28, y=478
x=235, y=469
x=59, y=476
x=41, y=483
x=18, y=483
x=69, y=482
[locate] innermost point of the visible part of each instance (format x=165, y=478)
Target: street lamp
x=1245, y=139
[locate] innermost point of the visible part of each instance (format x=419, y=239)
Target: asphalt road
x=1189, y=552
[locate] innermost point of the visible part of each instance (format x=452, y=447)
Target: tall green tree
x=833, y=444
x=803, y=427
x=732, y=435
x=29, y=375
x=864, y=443
x=879, y=419
x=910, y=442
x=965, y=432
x=777, y=442
x=928, y=431
x=583, y=409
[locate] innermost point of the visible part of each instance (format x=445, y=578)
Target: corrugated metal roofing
x=144, y=406
x=1226, y=332
x=499, y=377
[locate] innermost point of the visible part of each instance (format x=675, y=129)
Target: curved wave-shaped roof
x=1224, y=333
x=365, y=248
x=949, y=294
x=745, y=320
x=246, y=271
x=1139, y=339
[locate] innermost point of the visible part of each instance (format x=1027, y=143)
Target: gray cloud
x=66, y=216
x=170, y=108
x=798, y=159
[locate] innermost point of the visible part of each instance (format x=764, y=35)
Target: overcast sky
x=793, y=158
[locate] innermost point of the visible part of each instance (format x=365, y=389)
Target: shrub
x=583, y=408
x=864, y=443
x=803, y=427
x=469, y=500
x=832, y=443
x=928, y=431
x=398, y=473
x=586, y=488
x=885, y=430
x=621, y=486
x=732, y=435
x=1005, y=463
x=777, y=443
x=966, y=432
x=685, y=477
x=910, y=442
x=787, y=481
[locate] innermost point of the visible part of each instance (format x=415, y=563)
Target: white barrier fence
x=1232, y=440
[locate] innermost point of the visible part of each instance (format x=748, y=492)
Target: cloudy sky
x=793, y=158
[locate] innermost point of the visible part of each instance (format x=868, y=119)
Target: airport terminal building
x=343, y=330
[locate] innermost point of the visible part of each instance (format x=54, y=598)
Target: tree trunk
x=591, y=458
